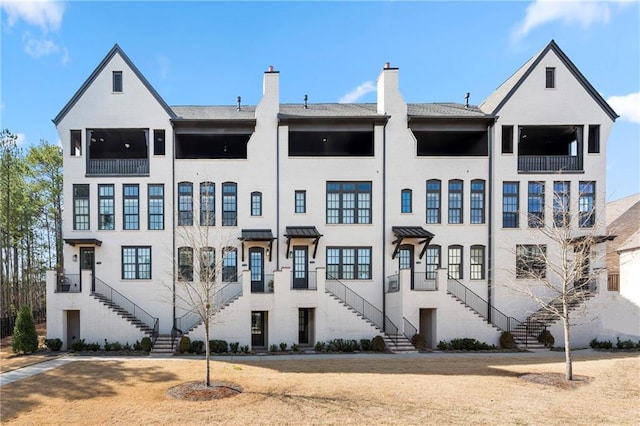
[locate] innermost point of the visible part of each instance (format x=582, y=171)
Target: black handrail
x=409, y=330
x=226, y=294
x=121, y=301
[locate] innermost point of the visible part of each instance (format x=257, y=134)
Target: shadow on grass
x=75, y=381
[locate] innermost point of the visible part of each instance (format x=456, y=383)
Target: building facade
x=320, y=221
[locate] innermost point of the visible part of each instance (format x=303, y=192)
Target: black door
x=87, y=261
x=256, y=266
x=303, y=326
x=300, y=267
x=258, y=329
x=405, y=259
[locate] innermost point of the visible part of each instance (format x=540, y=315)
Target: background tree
x=25, y=338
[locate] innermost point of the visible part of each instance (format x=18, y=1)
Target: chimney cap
x=387, y=65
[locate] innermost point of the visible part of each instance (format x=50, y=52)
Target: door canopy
x=410, y=232
x=302, y=232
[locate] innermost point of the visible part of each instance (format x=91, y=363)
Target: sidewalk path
x=32, y=370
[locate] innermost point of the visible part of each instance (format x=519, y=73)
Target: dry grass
x=10, y=361
x=452, y=389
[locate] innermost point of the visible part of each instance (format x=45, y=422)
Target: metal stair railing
x=118, y=299
x=362, y=306
x=409, y=330
x=221, y=298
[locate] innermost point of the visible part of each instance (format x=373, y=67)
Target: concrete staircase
x=123, y=313
x=162, y=347
x=398, y=343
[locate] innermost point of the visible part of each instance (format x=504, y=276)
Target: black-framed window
x=81, y=207
x=117, y=81
x=433, y=201
x=155, y=208
x=477, y=201
x=587, y=204
x=535, y=205
x=594, y=139
x=561, y=203
x=406, y=202
x=106, y=207
x=131, y=206
x=349, y=202
x=76, y=143
x=531, y=261
x=550, y=78
x=256, y=203
x=229, y=204
x=510, y=205
x=454, y=262
x=136, y=262
x=477, y=267
x=455, y=201
x=300, y=200
x=432, y=261
x=207, y=264
x=229, y=264
x=185, y=264
x=349, y=263
x=159, y=144
x=185, y=204
x=207, y=204
x=507, y=139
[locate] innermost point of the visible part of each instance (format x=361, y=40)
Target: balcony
x=544, y=149
x=117, y=152
x=118, y=167
x=549, y=163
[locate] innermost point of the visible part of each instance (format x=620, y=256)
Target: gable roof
x=497, y=99
x=115, y=50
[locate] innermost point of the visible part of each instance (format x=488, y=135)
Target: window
x=76, y=143
x=185, y=264
x=256, y=203
x=117, y=81
x=81, y=207
x=185, y=204
x=349, y=263
x=158, y=142
x=455, y=201
x=300, y=201
x=510, y=205
x=131, y=206
x=106, y=213
x=507, y=139
x=348, y=202
x=594, y=139
x=156, y=206
x=229, y=204
x=207, y=264
x=535, y=205
x=477, y=201
x=476, y=271
x=405, y=201
x=136, y=263
x=207, y=204
x=432, y=262
x=455, y=262
x=531, y=261
x=433, y=201
x=229, y=264
x=550, y=78
x=561, y=202
x=586, y=204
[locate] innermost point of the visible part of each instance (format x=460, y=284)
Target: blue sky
x=200, y=53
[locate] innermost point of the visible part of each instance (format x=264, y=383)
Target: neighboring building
x=333, y=220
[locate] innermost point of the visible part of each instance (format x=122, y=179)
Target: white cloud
x=39, y=48
x=163, y=65
x=20, y=138
x=45, y=14
x=569, y=12
x=358, y=92
x=627, y=106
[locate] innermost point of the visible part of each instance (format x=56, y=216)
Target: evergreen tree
x=25, y=338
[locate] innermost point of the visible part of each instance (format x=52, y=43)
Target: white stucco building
x=329, y=220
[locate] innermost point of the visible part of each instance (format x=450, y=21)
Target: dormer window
x=550, y=78
x=117, y=81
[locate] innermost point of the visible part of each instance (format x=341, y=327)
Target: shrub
x=218, y=346
x=185, y=344
x=283, y=346
x=95, y=346
x=442, y=345
x=294, y=347
x=464, y=344
x=273, y=348
x=25, y=338
x=126, y=347
x=342, y=345
x=507, y=341
x=601, y=344
x=234, y=346
x=197, y=346
x=145, y=344
x=137, y=346
x=107, y=345
x=419, y=341
x=546, y=338
x=320, y=347
x=365, y=344
x=78, y=345
x=245, y=349
x=53, y=344
x=377, y=344
x=624, y=344
x=116, y=346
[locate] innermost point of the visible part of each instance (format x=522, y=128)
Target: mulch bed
x=197, y=391
x=556, y=380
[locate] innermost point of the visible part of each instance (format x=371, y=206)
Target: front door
x=256, y=266
x=258, y=329
x=300, y=267
x=87, y=261
x=305, y=318
x=405, y=259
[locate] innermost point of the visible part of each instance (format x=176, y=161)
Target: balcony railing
x=68, y=283
x=304, y=283
x=421, y=283
x=119, y=166
x=548, y=163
